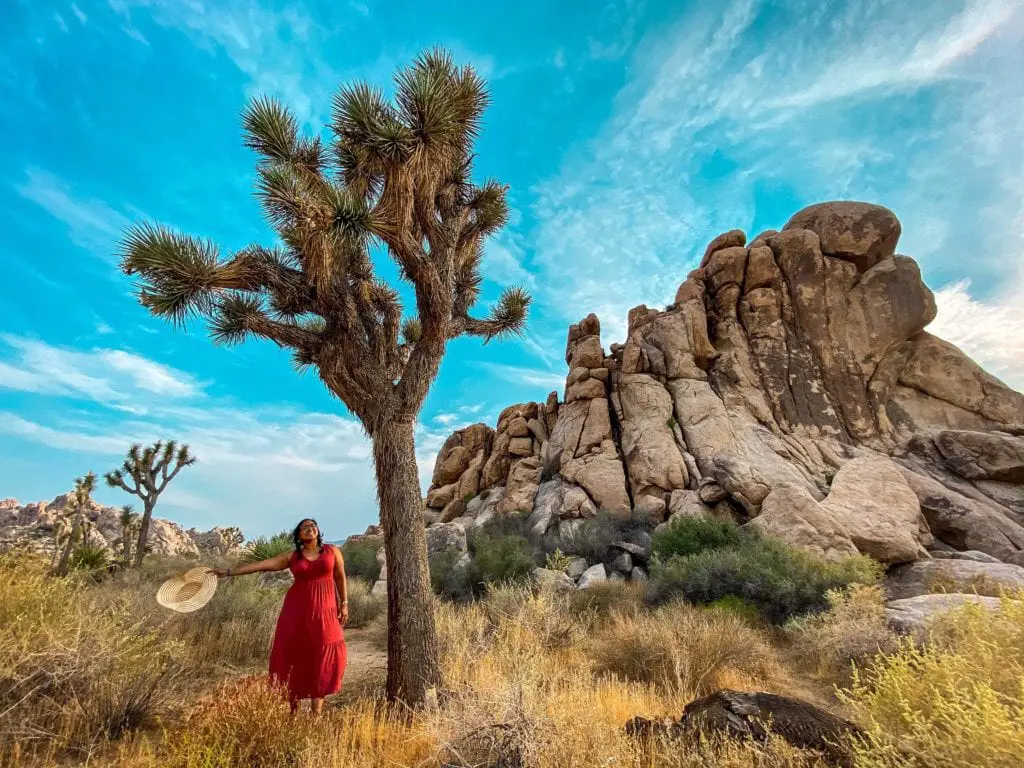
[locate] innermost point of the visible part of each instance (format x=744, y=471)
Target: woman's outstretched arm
x=342, y=584
x=277, y=563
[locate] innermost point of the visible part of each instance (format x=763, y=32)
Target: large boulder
x=952, y=575
x=790, y=513
x=983, y=455
x=878, y=509
x=870, y=509
x=964, y=522
x=858, y=232
x=914, y=615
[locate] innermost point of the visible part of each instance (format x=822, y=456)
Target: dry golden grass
x=828, y=645
x=955, y=701
x=536, y=681
x=692, y=650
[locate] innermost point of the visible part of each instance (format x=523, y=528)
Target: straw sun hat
x=188, y=592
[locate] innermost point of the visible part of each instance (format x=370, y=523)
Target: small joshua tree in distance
x=81, y=497
x=129, y=527
x=146, y=473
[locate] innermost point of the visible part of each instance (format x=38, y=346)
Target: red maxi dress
x=308, y=655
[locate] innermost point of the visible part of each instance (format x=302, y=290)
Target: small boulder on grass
x=595, y=574
x=756, y=715
x=546, y=578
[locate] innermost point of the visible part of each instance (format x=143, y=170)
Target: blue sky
x=631, y=133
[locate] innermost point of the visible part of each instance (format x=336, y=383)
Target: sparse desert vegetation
x=94, y=672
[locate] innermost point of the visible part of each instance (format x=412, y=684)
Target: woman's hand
x=220, y=572
x=343, y=615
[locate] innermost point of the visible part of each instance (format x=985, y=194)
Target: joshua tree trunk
x=140, y=548
x=413, y=666
x=62, y=566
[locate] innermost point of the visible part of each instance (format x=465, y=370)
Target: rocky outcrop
x=953, y=575
x=791, y=385
x=914, y=615
x=33, y=526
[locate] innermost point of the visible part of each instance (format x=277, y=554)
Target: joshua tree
x=129, y=527
x=146, y=473
x=81, y=497
x=60, y=533
x=397, y=175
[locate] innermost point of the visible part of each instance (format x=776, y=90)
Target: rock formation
x=32, y=525
x=791, y=383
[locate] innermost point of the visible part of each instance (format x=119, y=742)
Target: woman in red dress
x=308, y=655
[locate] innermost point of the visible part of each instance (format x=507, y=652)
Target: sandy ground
x=366, y=669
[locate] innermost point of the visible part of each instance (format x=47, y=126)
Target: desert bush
x=361, y=559
x=594, y=537
x=86, y=557
x=448, y=575
x=497, y=527
x=687, y=648
x=602, y=600
x=852, y=631
x=499, y=554
x=266, y=547
x=980, y=584
x=954, y=701
x=780, y=580
x=74, y=673
x=557, y=560
x=738, y=607
x=499, y=560
x=363, y=606
x=692, y=535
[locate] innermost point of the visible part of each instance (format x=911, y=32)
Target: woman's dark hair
x=319, y=534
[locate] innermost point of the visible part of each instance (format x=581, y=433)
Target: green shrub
x=447, y=576
x=691, y=535
x=361, y=559
x=498, y=526
x=780, y=580
x=498, y=560
x=738, y=607
x=89, y=558
x=557, y=561
x=606, y=598
x=266, y=547
x=593, y=538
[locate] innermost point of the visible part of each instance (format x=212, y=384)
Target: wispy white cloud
x=548, y=380
x=741, y=96
x=992, y=332
x=883, y=65
x=82, y=18
x=106, y=376
x=91, y=223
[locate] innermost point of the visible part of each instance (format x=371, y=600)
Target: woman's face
x=308, y=531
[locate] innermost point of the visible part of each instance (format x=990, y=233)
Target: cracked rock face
x=793, y=385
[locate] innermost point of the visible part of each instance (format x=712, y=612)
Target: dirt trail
x=366, y=668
